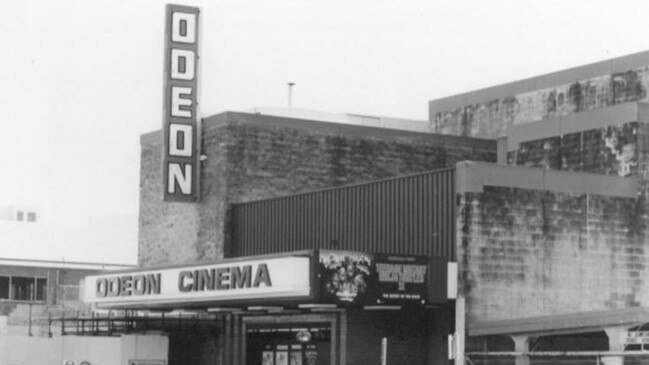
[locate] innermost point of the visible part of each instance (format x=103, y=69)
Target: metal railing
x=93, y=324
x=556, y=357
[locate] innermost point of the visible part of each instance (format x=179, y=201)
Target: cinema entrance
x=280, y=347
x=298, y=308
x=291, y=339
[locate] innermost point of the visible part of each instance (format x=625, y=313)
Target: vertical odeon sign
x=181, y=123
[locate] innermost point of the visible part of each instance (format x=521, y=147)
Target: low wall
x=23, y=350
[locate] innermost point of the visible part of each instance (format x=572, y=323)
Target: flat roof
x=562, y=323
x=414, y=125
x=563, y=77
x=8, y=262
x=332, y=128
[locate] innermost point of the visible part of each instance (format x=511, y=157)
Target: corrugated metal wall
x=412, y=215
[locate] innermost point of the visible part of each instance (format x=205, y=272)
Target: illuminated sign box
x=181, y=124
x=365, y=279
x=223, y=282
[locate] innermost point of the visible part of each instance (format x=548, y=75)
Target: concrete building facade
x=558, y=252
x=488, y=113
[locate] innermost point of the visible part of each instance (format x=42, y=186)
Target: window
x=41, y=289
x=23, y=288
x=25, y=216
x=4, y=287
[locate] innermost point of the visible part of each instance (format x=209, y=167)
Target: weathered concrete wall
x=491, y=118
x=252, y=157
x=611, y=150
x=526, y=253
x=143, y=347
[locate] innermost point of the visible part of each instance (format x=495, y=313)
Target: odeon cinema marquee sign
x=181, y=123
x=343, y=278
x=219, y=283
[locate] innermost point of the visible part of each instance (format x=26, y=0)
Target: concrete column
x=522, y=344
x=460, y=329
x=616, y=341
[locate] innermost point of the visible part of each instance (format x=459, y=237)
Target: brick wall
x=611, y=150
x=251, y=157
x=491, y=118
x=526, y=253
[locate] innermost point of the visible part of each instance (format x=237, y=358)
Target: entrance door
x=294, y=354
x=296, y=344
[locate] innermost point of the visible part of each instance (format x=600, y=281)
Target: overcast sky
x=82, y=80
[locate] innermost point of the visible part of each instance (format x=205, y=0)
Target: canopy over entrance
x=317, y=277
